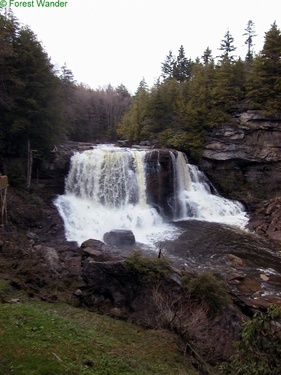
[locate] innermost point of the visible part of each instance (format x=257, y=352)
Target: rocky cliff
x=243, y=160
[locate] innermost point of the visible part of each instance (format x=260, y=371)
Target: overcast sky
x=124, y=41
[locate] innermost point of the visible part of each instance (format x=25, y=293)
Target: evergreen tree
x=8, y=78
x=164, y=106
x=142, y=86
x=227, y=47
x=9, y=29
x=207, y=56
x=182, y=67
x=264, y=78
x=37, y=111
x=250, y=34
x=228, y=88
x=123, y=91
x=168, y=66
x=272, y=45
x=133, y=121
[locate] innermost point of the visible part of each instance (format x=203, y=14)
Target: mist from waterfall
x=106, y=189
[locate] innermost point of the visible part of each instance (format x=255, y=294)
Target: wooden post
x=3, y=198
x=29, y=164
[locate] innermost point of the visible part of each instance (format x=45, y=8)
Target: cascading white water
x=106, y=189
x=198, y=199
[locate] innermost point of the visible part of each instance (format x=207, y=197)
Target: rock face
x=54, y=172
x=109, y=283
x=266, y=220
x=160, y=180
x=244, y=159
x=256, y=139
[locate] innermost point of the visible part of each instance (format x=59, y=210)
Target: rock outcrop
x=160, y=180
x=256, y=138
x=243, y=160
x=266, y=219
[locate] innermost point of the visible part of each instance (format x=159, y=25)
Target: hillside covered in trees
x=194, y=96
x=42, y=107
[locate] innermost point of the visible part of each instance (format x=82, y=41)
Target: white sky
x=124, y=41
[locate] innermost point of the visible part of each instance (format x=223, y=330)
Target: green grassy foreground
x=42, y=338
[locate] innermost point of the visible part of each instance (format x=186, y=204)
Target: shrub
x=150, y=270
x=259, y=350
x=209, y=290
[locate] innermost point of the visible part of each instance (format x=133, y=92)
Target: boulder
x=96, y=250
x=95, y=245
x=50, y=256
x=235, y=261
x=108, y=283
x=119, y=237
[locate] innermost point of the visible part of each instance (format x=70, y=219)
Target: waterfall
x=198, y=199
x=108, y=188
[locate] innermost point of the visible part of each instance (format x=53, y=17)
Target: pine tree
x=9, y=28
x=250, y=34
x=228, y=89
x=168, y=66
x=182, y=67
x=207, y=56
x=36, y=115
x=227, y=47
x=264, y=78
x=133, y=121
x=272, y=45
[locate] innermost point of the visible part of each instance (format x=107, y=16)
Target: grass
x=52, y=339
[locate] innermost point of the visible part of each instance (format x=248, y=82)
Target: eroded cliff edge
x=243, y=160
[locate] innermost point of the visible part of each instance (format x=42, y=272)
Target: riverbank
x=38, y=263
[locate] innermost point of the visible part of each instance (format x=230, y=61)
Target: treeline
x=41, y=106
x=191, y=97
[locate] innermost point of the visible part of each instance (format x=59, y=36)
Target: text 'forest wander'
x=37, y=3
